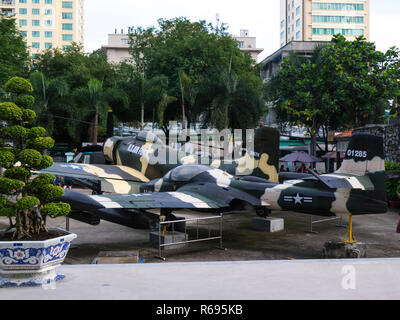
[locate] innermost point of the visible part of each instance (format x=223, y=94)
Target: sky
x=260, y=17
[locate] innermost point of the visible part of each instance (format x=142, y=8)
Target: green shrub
x=46, y=162
x=16, y=132
x=51, y=193
x=28, y=116
x=7, y=159
x=20, y=197
x=10, y=112
x=18, y=85
x=10, y=186
x=30, y=157
x=18, y=173
x=41, y=143
x=36, y=132
x=56, y=209
x=24, y=101
x=8, y=212
x=27, y=203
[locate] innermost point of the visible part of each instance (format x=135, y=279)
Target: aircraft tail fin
x=365, y=157
x=266, y=148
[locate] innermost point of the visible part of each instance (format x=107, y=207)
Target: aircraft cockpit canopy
x=147, y=136
x=185, y=173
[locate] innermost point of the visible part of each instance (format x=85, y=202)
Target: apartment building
x=248, y=44
x=319, y=20
x=47, y=24
x=117, y=48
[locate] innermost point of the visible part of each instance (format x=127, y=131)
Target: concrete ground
x=242, y=243
x=252, y=280
x=255, y=265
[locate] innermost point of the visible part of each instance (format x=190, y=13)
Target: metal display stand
x=312, y=222
x=163, y=224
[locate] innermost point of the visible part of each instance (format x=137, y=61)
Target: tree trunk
x=142, y=115
x=95, y=128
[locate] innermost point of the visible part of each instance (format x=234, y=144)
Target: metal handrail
x=209, y=238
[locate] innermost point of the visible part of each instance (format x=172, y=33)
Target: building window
x=333, y=31
x=48, y=23
x=22, y=1
x=22, y=23
x=23, y=33
x=67, y=4
x=36, y=45
x=48, y=34
x=298, y=10
x=48, y=1
x=298, y=23
x=35, y=11
x=67, y=15
x=67, y=26
x=282, y=24
x=36, y=34
x=48, y=12
x=240, y=44
x=48, y=45
x=282, y=35
x=337, y=19
x=66, y=48
x=67, y=37
x=36, y=1
x=298, y=35
x=35, y=23
x=125, y=42
x=23, y=11
x=338, y=6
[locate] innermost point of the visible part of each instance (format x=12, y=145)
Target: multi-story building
x=47, y=24
x=248, y=44
x=319, y=20
x=117, y=49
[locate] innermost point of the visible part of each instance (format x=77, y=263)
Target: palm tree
x=48, y=94
x=92, y=101
x=226, y=86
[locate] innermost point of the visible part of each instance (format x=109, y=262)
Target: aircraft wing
x=118, y=179
x=191, y=196
x=342, y=181
x=157, y=200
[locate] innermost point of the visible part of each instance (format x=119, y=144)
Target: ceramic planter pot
x=33, y=263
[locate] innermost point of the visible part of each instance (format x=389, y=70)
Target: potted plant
x=29, y=252
x=393, y=183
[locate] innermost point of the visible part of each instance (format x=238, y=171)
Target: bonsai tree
x=26, y=201
x=392, y=182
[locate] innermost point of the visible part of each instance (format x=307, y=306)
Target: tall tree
x=186, y=53
x=14, y=55
x=343, y=85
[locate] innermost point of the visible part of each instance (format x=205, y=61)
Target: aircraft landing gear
x=167, y=215
x=263, y=212
x=349, y=238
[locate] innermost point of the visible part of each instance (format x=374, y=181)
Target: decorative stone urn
x=33, y=263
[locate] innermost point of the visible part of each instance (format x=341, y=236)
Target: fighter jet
x=358, y=187
x=138, y=159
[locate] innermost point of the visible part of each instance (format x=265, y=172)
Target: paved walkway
x=256, y=280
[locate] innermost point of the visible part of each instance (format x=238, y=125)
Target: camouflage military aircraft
x=141, y=158
x=358, y=187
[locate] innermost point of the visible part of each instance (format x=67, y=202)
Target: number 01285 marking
x=357, y=153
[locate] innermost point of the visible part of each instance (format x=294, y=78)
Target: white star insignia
x=297, y=199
